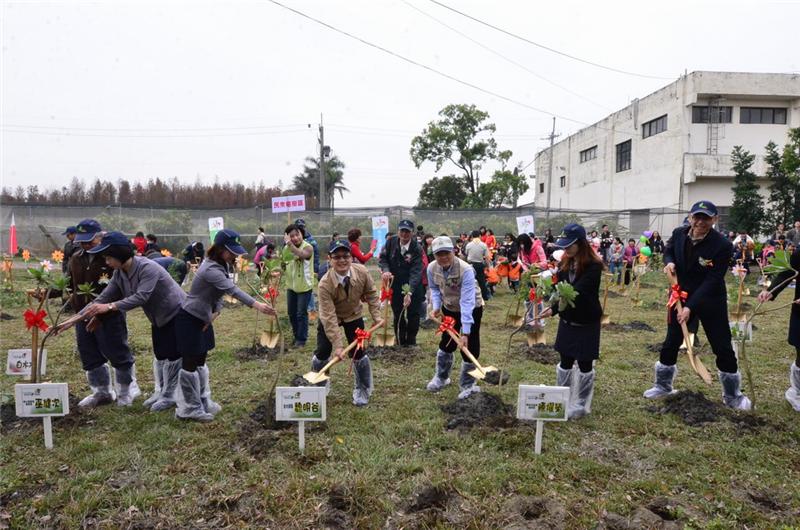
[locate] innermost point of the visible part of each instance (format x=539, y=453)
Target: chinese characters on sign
x=545, y=403
x=300, y=403
x=42, y=399
x=20, y=362
x=290, y=203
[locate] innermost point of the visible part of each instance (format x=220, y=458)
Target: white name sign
x=19, y=362
x=36, y=400
x=544, y=403
x=290, y=203
x=300, y=404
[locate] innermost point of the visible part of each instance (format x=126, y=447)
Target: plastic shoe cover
x=793, y=394
x=316, y=366
x=210, y=406
x=467, y=382
x=585, y=393
x=731, y=391
x=100, y=383
x=158, y=379
x=665, y=376
x=127, y=387
x=564, y=377
x=444, y=362
x=170, y=371
x=190, y=407
x=363, y=382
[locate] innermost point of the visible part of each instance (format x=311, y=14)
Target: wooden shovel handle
x=457, y=337
x=335, y=359
x=696, y=364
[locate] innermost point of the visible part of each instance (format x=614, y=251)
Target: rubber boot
x=190, y=406
x=316, y=366
x=127, y=387
x=362, y=389
x=793, y=394
x=444, y=363
x=731, y=391
x=467, y=382
x=209, y=406
x=100, y=382
x=170, y=375
x=158, y=379
x=584, y=394
x=664, y=377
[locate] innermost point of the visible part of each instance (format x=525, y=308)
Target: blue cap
x=230, y=240
x=704, y=207
x=570, y=234
x=405, y=224
x=339, y=243
x=110, y=239
x=300, y=222
x=69, y=230
x=87, y=230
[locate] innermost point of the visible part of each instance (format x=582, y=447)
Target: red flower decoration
x=273, y=293
x=675, y=295
x=386, y=294
x=362, y=336
x=532, y=296
x=448, y=324
x=35, y=319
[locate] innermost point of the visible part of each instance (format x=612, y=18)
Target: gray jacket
x=149, y=286
x=210, y=283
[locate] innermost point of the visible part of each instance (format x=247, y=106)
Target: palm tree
x=307, y=182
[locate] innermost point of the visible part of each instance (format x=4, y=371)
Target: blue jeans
x=109, y=342
x=312, y=301
x=297, y=305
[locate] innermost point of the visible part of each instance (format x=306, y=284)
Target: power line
x=498, y=54
x=142, y=129
x=95, y=135
x=542, y=46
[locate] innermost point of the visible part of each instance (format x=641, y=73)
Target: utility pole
x=552, y=137
x=322, y=202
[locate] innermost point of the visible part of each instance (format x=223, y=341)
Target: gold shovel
x=480, y=372
x=320, y=377
x=697, y=365
x=536, y=336
x=270, y=338
x=384, y=338
x=606, y=318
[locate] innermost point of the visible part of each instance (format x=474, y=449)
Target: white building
x=671, y=148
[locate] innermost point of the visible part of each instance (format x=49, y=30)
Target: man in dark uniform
x=70, y=247
x=700, y=256
x=401, y=260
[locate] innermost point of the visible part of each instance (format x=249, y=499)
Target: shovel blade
x=269, y=340
x=514, y=320
x=477, y=374
x=535, y=337
x=380, y=340
x=315, y=377
x=605, y=319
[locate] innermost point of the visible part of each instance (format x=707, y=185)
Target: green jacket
x=299, y=272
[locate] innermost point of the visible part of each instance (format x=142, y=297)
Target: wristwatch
x=112, y=307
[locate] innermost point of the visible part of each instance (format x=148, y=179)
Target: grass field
x=394, y=464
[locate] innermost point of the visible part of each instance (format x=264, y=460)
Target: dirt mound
x=634, y=325
x=655, y=347
x=5, y=316
x=432, y=507
x=479, y=409
x=257, y=352
x=428, y=324
x=695, y=409
x=524, y=512
x=298, y=380
x=259, y=433
x=540, y=353
x=661, y=512
x=10, y=423
x=430, y=497
x=396, y=354
x=614, y=294
x=496, y=377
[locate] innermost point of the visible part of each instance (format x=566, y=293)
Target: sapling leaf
x=778, y=263
x=59, y=284
x=565, y=294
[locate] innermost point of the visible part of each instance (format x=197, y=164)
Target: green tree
x=307, y=182
x=505, y=189
x=781, y=192
x=790, y=165
x=446, y=192
x=463, y=137
x=747, y=211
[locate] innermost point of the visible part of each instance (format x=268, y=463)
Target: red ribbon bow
x=386, y=294
x=35, y=319
x=448, y=324
x=675, y=296
x=272, y=293
x=362, y=336
x=532, y=296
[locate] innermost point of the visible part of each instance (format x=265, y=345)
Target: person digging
x=699, y=256
x=401, y=261
x=341, y=291
x=455, y=294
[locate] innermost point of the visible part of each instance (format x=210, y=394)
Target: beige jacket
x=335, y=307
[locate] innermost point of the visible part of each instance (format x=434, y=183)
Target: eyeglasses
x=341, y=257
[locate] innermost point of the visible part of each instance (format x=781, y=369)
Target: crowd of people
x=445, y=279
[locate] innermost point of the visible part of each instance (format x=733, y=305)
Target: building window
x=624, y=156
x=654, y=127
x=762, y=115
x=717, y=114
x=588, y=154
x=563, y=181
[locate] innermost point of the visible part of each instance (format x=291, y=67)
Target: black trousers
x=714, y=318
x=407, y=328
x=480, y=277
x=473, y=343
x=324, y=346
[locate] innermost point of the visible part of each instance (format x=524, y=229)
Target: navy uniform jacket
x=406, y=268
x=587, y=308
x=701, y=268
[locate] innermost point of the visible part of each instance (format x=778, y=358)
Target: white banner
x=290, y=203
x=525, y=224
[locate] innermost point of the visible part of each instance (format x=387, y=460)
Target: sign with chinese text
x=19, y=362
x=215, y=224
x=290, y=203
x=543, y=403
x=380, y=227
x=525, y=224
x=300, y=403
x=37, y=400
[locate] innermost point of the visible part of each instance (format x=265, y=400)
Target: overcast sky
x=227, y=89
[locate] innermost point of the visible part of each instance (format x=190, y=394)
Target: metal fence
x=39, y=227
